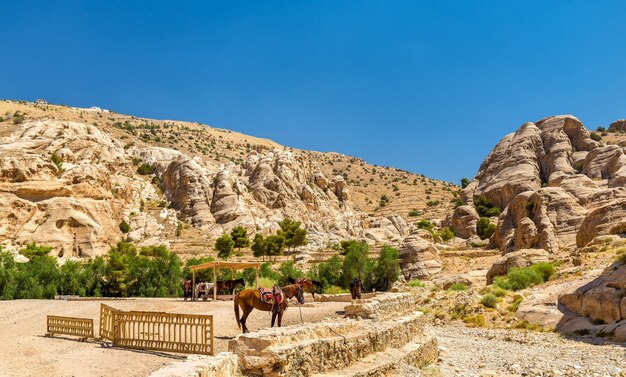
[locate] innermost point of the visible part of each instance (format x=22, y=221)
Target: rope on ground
x=334, y=332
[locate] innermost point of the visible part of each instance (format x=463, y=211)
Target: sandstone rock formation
x=419, y=259
x=463, y=221
x=558, y=188
x=602, y=299
x=76, y=204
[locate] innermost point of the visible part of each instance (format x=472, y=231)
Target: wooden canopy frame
x=222, y=265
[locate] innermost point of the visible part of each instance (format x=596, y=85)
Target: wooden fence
x=106, y=322
x=81, y=327
x=186, y=333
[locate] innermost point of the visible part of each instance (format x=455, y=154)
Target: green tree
x=201, y=275
x=258, y=246
x=292, y=233
x=347, y=244
x=485, y=207
x=124, y=227
x=274, y=245
x=387, y=268
x=328, y=273
x=39, y=278
x=464, y=182
x=239, y=235
x=356, y=264
x=8, y=276
x=224, y=246
x=484, y=228
x=288, y=270
x=119, y=278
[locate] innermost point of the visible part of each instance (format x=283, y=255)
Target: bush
x=145, y=169
x=124, y=227
x=519, y=278
x=515, y=304
x=484, y=228
x=594, y=136
x=416, y=283
x=474, y=320
x=485, y=207
x=414, y=213
x=545, y=269
x=446, y=234
x=621, y=256
x=464, y=182
x=489, y=300
x=457, y=287
x=266, y=282
x=335, y=290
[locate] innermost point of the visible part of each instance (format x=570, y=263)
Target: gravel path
x=496, y=352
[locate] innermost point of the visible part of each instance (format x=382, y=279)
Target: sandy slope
x=24, y=351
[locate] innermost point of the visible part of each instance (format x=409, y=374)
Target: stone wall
x=390, y=304
x=225, y=364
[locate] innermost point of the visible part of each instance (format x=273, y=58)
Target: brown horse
x=308, y=285
x=250, y=299
x=229, y=285
x=355, y=288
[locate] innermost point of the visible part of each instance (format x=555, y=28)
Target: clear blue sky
x=426, y=86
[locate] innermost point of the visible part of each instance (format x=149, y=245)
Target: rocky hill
x=69, y=177
x=558, y=188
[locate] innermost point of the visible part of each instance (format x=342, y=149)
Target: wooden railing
x=106, y=322
x=81, y=327
x=186, y=333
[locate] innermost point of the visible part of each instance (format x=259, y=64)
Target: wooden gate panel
x=106, y=322
x=169, y=332
x=81, y=327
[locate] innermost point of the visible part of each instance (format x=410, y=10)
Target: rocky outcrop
x=603, y=299
x=462, y=221
x=547, y=218
x=76, y=203
x=74, y=206
x=584, y=194
x=419, y=259
x=516, y=259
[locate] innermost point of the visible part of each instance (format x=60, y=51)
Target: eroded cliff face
x=76, y=204
x=558, y=188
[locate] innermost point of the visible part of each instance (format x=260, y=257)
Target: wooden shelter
x=233, y=266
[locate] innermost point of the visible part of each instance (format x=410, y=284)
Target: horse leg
x=280, y=319
x=246, y=313
x=274, y=319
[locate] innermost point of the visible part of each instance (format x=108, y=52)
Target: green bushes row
x=150, y=271
x=521, y=278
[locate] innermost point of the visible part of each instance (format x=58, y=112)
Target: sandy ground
x=24, y=351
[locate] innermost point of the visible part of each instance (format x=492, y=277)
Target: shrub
x=545, y=269
x=621, y=256
x=515, y=304
x=446, y=234
x=464, y=182
x=432, y=203
x=56, y=160
x=485, y=207
x=18, y=118
x=489, y=300
x=266, y=282
x=498, y=292
x=387, y=268
x=124, y=227
x=416, y=283
x=457, y=287
x=414, y=213
x=145, y=169
x=594, y=136
x=519, y=278
x=474, y=320
x=484, y=228
x=335, y=290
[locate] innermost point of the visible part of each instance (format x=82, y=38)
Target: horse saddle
x=271, y=295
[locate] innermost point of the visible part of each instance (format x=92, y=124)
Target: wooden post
x=214, y=283
x=193, y=286
x=257, y=277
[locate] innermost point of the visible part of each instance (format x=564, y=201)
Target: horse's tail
x=236, y=300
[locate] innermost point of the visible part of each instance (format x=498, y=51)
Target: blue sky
x=425, y=86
